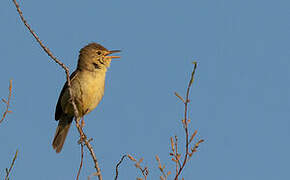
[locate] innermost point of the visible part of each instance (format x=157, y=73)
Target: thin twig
x=117, y=166
x=89, y=146
x=82, y=150
x=82, y=134
x=7, y=102
x=177, y=156
x=82, y=158
x=160, y=165
x=185, y=122
x=37, y=38
x=162, y=168
x=144, y=170
x=11, y=166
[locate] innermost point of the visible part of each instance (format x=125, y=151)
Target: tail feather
x=61, y=133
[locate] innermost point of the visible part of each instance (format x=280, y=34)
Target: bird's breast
x=89, y=90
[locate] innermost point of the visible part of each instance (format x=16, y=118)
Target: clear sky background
x=240, y=99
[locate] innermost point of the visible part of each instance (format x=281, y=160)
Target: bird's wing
x=58, y=109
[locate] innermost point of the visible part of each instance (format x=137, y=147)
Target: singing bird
x=87, y=85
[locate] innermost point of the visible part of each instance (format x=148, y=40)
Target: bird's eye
x=99, y=52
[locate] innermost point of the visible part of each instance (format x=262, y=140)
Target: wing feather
x=58, y=109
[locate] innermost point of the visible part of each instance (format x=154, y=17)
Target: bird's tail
x=61, y=133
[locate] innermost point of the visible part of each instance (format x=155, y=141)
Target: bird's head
x=94, y=56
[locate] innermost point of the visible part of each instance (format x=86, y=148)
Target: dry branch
x=81, y=163
x=49, y=53
x=7, y=103
x=162, y=169
x=117, y=166
x=137, y=164
x=176, y=156
x=11, y=166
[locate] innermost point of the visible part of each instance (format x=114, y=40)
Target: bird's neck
x=91, y=66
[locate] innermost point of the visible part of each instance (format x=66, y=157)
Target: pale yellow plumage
x=87, y=85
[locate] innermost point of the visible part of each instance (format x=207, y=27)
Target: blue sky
x=240, y=99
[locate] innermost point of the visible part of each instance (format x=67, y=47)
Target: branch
x=7, y=102
x=185, y=123
x=49, y=53
x=162, y=169
x=117, y=166
x=144, y=170
x=82, y=158
x=11, y=166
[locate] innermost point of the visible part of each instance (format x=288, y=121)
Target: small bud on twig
x=172, y=144
x=192, y=136
x=177, y=95
x=131, y=157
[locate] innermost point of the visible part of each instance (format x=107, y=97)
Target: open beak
x=111, y=52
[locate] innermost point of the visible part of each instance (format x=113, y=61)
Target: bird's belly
x=92, y=93
x=88, y=90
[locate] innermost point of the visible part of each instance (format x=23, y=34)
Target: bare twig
x=117, y=166
x=11, y=166
x=90, y=148
x=185, y=122
x=162, y=169
x=144, y=170
x=82, y=158
x=177, y=156
x=7, y=102
x=82, y=149
x=82, y=134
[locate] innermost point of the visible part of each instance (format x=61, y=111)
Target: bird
x=87, y=87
